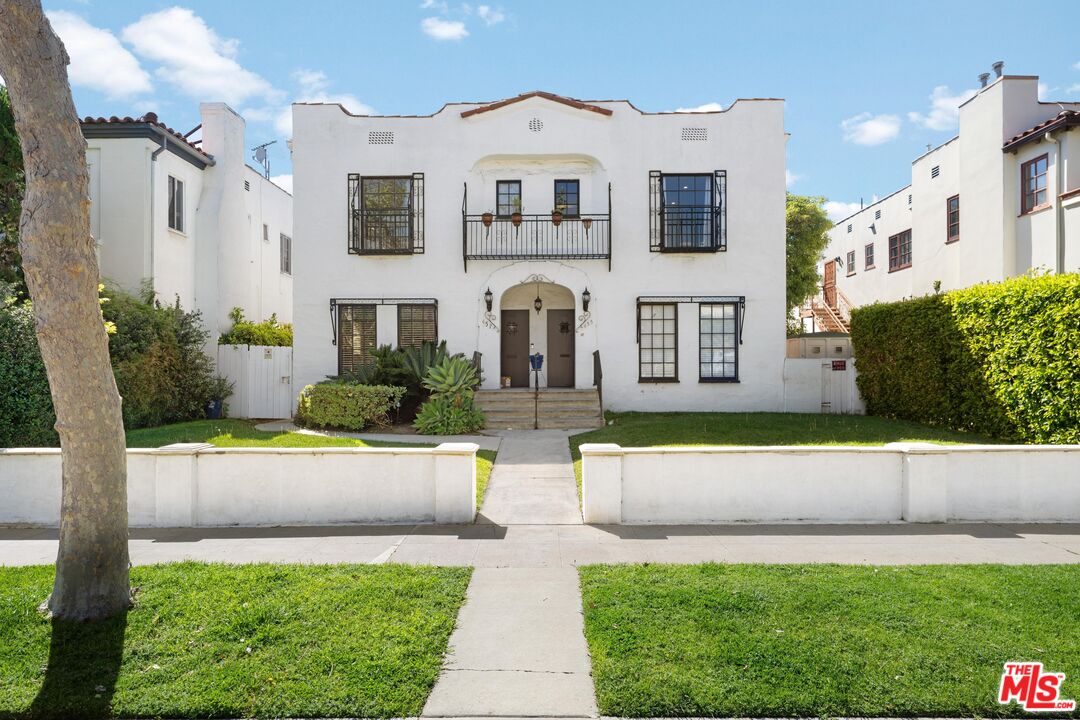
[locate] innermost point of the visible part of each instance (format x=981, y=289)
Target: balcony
x=536, y=237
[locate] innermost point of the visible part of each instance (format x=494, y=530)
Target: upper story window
x=688, y=212
x=851, y=262
x=868, y=256
x=568, y=197
x=507, y=197
x=900, y=251
x=286, y=254
x=386, y=214
x=1033, y=184
x=952, y=219
x=176, y=204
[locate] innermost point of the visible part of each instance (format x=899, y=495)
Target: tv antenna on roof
x=262, y=157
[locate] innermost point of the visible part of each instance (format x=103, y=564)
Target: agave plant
x=454, y=377
x=418, y=360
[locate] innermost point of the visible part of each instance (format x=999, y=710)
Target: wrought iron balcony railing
x=536, y=237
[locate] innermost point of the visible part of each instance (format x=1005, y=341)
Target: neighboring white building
x=1000, y=198
x=189, y=216
x=667, y=264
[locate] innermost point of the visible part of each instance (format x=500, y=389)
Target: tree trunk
x=62, y=277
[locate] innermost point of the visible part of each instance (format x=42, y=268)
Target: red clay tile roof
x=578, y=104
x=1065, y=118
x=147, y=119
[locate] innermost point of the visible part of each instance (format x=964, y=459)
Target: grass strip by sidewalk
x=242, y=433
x=234, y=641
x=824, y=640
x=674, y=429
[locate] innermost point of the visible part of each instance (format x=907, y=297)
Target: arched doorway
x=537, y=317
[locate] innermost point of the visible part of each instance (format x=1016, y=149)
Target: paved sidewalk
x=535, y=546
x=532, y=482
x=518, y=649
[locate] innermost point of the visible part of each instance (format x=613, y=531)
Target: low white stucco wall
x=200, y=485
x=901, y=481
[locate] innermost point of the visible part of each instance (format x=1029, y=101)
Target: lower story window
x=657, y=342
x=718, y=345
x=356, y=337
x=416, y=324
x=900, y=251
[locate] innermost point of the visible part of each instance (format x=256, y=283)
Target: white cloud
x=1044, y=91
x=313, y=86
x=707, y=107
x=98, y=60
x=1074, y=89
x=489, y=15
x=867, y=129
x=1077, y=66
x=282, y=181
x=837, y=211
x=440, y=29
x=440, y=5
x=194, y=58
x=944, y=109
x=791, y=178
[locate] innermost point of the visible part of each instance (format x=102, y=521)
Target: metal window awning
x=739, y=300
x=335, y=303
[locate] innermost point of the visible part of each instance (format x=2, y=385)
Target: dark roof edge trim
x=150, y=132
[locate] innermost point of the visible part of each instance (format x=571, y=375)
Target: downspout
x=1059, y=219
x=153, y=175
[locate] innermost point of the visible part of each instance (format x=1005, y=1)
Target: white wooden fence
x=262, y=380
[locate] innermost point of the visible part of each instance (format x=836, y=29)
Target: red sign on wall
x=839, y=364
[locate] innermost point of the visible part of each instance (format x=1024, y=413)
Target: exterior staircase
x=826, y=318
x=513, y=408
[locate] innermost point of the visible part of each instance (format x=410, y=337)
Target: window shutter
x=356, y=337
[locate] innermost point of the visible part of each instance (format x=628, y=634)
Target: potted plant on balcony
x=556, y=217
x=486, y=218
x=586, y=223
x=515, y=218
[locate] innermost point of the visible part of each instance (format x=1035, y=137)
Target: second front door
x=560, y=348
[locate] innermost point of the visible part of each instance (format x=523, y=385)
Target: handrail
x=598, y=379
x=477, y=363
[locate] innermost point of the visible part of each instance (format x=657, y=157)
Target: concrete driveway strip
x=518, y=649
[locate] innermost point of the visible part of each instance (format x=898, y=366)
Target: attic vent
x=935, y=171
x=247, y=185
x=849, y=227
x=877, y=214
x=536, y=124
x=909, y=199
x=380, y=137
x=695, y=134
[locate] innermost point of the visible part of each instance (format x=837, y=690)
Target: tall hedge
x=999, y=359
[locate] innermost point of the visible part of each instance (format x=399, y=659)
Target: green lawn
x=234, y=641
x=823, y=640
x=242, y=433
x=674, y=429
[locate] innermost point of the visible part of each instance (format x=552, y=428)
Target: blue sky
x=868, y=84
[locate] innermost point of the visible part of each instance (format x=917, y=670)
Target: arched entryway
x=537, y=317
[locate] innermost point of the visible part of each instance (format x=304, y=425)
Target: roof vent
x=695, y=134
x=877, y=214
x=935, y=171
x=536, y=124
x=380, y=137
x=247, y=185
x=999, y=67
x=983, y=79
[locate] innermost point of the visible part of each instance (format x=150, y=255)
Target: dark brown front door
x=515, y=347
x=560, y=347
x=828, y=288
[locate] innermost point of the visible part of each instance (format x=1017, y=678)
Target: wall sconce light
x=585, y=298
x=488, y=297
x=538, y=303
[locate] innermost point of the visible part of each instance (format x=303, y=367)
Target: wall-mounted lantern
x=538, y=303
x=488, y=298
x=585, y=298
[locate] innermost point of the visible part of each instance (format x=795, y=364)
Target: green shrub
x=246, y=332
x=26, y=410
x=347, y=405
x=451, y=409
x=998, y=359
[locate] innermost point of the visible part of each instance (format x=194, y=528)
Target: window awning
x=739, y=300
x=335, y=303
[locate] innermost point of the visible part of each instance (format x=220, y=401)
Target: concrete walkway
x=532, y=482
x=518, y=649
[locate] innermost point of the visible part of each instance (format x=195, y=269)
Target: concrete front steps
x=557, y=408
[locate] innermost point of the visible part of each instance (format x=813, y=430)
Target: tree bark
x=61, y=271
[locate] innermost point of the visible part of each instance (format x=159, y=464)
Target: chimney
x=983, y=78
x=999, y=67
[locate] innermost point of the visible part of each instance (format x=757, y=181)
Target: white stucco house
x=186, y=213
x=644, y=247
x=999, y=199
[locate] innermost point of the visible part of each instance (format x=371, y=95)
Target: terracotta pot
x=586, y=223
x=516, y=219
x=486, y=218
x=556, y=218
